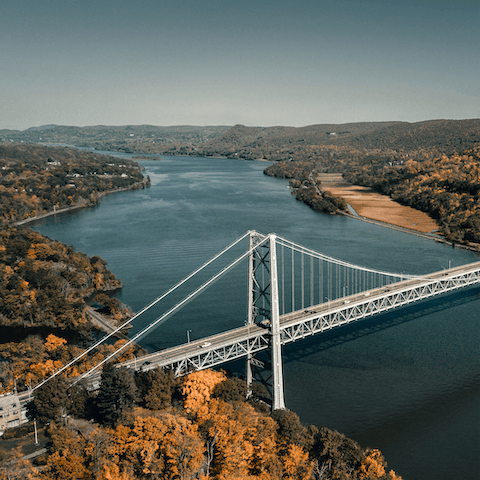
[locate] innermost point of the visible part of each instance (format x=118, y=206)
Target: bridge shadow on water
x=302, y=348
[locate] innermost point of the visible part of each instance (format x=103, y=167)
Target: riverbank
x=370, y=206
x=57, y=211
x=51, y=214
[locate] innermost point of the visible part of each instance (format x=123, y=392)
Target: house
x=11, y=412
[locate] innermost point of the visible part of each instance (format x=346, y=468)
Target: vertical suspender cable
x=311, y=280
x=293, y=280
x=283, y=279
x=303, y=279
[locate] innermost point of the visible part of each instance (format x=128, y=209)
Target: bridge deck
x=239, y=342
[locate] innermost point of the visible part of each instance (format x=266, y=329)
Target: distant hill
x=270, y=143
x=41, y=127
x=290, y=143
x=127, y=138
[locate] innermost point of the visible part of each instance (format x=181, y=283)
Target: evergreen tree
x=51, y=401
x=116, y=396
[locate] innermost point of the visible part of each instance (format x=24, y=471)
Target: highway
x=239, y=342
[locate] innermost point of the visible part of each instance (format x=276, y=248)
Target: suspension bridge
x=293, y=292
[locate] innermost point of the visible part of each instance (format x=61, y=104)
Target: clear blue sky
x=260, y=62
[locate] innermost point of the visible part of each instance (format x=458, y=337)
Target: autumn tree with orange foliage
x=200, y=435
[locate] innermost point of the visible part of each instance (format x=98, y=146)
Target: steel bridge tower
x=263, y=310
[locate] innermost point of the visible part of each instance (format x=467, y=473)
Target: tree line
x=204, y=425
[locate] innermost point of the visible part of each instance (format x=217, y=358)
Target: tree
x=116, y=395
x=232, y=389
x=13, y=466
x=96, y=449
x=51, y=401
x=197, y=390
x=339, y=454
x=65, y=440
x=296, y=465
x=156, y=387
x=241, y=440
x=67, y=466
x=165, y=446
x=80, y=401
x=291, y=431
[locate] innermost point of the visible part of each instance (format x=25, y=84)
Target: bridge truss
x=294, y=292
x=250, y=340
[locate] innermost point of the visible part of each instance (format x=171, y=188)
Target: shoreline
x=372, y=207
x=76, y=207
x=429, y=236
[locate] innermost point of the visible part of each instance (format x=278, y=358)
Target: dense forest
x=205, y=425
x=35, y=180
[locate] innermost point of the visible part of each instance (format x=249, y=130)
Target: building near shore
x=11, y=412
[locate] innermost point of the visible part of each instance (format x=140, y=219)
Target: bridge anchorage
x=293, y=292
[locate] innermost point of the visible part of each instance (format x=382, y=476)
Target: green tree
x=232, y=389
x=117, y=394
x=337, y=454
x=291, y=431
x=51, y=401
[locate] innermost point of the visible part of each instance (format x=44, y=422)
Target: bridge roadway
x=234, y=344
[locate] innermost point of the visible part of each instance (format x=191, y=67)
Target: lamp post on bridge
x=188, y=335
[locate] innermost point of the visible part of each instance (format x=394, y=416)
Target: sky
x=225, y=62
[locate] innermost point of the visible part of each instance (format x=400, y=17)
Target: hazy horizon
x=47, y=126
x=256, y=63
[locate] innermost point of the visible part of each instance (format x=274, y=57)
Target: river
x=406, y=382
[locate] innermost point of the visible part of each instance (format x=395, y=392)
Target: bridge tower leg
x=276, y=346
x=263, y=308
x=251, y=303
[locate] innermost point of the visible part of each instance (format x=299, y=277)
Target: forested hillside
x=431, y=166
x=445, y=187
x=35, y=180
x=44, y=284
x=333, y=144
x=127, y=138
